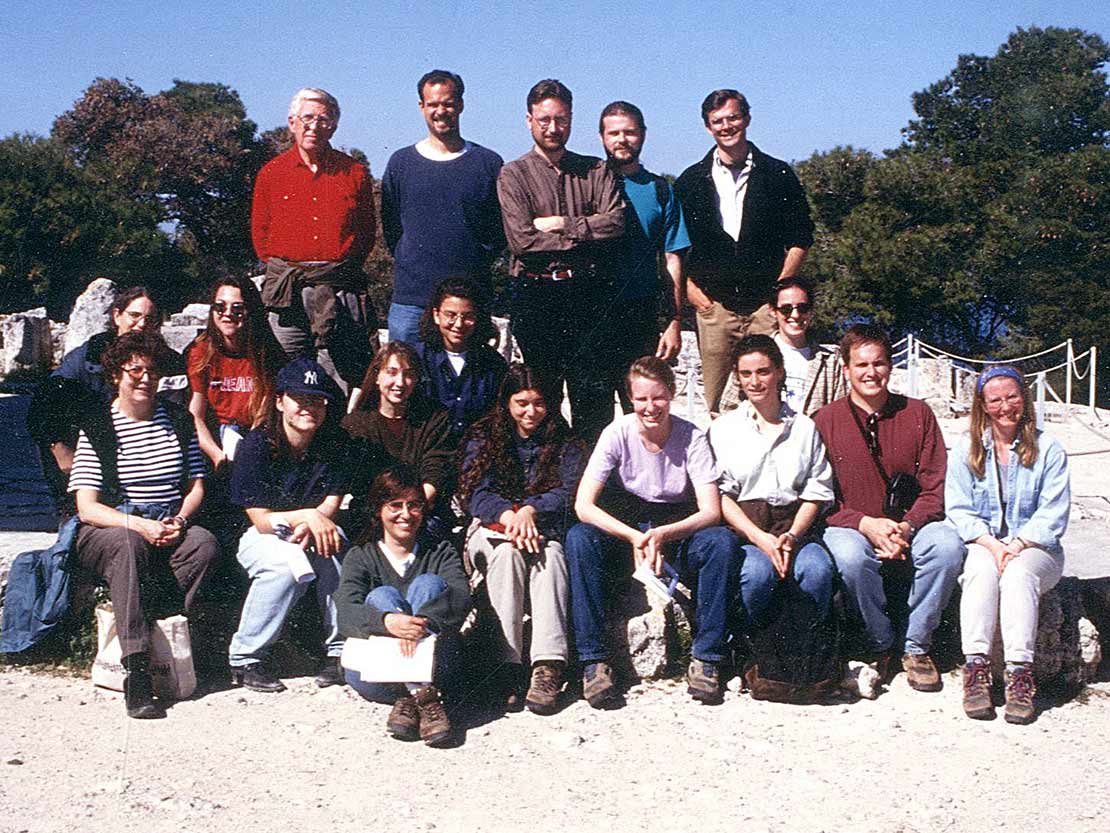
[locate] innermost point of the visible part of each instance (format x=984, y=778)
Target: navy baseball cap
x=304, y=377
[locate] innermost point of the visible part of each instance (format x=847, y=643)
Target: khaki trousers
x=506, y=568
x=719, y=329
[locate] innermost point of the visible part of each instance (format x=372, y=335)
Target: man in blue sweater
x=440, y=212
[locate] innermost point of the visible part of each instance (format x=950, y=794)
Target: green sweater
x=365, y=568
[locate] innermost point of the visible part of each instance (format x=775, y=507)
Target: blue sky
x=817, y=74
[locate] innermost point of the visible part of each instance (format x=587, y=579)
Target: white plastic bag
x=171, y=656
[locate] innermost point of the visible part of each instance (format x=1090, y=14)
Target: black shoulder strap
x=870, y=447
x=662, y=191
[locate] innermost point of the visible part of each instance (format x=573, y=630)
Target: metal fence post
x=1040, y=400
x=1068, y=370
x=1092, y=372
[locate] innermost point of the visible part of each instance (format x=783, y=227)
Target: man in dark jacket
x=749, y=224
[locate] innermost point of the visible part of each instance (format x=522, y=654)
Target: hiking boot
x=703, y=682
x=977, y=689
x=331, y=673
x=404, y=719
x=598, y=686
x=256, y=677
x=138, y=689
x=543, y=691
x=1020, y=689
x=921, y=673
x=508, y=686
x=435, y=727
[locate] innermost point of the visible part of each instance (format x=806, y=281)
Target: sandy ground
x=236, y=760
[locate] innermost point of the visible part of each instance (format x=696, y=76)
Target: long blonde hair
x=1028, y=447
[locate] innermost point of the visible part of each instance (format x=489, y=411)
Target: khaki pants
x=719, y=329
x=505, y=568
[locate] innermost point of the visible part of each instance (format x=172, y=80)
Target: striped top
x=148, y=458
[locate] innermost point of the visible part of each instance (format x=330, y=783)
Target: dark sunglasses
x=802, y=309
x=235, y=310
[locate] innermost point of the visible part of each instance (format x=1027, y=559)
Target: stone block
x=192, y=315
x=27, y=344
x=91, y=313
x=181, y=336
x=641, y=633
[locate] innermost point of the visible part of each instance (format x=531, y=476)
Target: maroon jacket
x=910, y=442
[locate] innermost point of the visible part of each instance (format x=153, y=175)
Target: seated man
x=814, y=373
x=290, y=476
x=872, y=437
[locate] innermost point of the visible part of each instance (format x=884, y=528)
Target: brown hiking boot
x=703, y=682
x=977, y=689
x=404, y=719
x=435, y=727
x=921, y=673
x=597, y=684
x=1020, y=689
x=543, y=691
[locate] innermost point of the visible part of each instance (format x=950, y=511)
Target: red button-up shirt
x=299, y=215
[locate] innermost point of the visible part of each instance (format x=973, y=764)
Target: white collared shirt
x=781, y=469
x=730, y=193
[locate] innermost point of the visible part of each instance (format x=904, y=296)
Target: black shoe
x=138, y=689
x=331, y=673
x=256, y=677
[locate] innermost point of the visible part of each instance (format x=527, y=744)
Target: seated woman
x=461, y=371
x=290, y=476
x=520, y=469
x=57, y=406
x=399, y=426
x=775, y=476
x=403, y=582
x=231, y=367
x=1008, y=494
x=665, y=464
x=143, y=456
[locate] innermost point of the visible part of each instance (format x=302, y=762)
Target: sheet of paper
x=652, y=582
x=378, y=659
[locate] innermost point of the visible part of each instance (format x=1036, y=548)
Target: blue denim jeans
x=403, y=321
x=273, y=592
x=812, y=568
x=937, y=556
x=709, y=559
x=424, y=589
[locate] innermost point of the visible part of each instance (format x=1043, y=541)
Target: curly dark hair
x=147, y=344
x=464, y=288
x=496, y=450
x=390, y=484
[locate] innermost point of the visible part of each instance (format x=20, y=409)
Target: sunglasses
x=235, y=310
x=789, y=309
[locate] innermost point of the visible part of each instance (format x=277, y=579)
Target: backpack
x=795, y=655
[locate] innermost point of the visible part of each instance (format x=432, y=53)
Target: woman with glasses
x=403, y=582
x=814, y=374
x=138, y=478
x=1007, y=493
x=231, y=367
x=461, y=371
x=78, y=384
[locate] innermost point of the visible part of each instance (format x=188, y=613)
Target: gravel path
x=311, y=759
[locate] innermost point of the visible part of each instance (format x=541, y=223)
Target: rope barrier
x=940, y=352
x=1059, y=366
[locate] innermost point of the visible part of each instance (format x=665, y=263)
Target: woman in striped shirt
x=138, y=477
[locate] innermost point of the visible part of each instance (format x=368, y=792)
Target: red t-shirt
x=300, y=215
x=227, y=384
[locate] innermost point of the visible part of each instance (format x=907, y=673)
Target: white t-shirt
x=425, y=149
x=457, y=361
x=797, y=372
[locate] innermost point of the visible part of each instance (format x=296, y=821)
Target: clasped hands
x=891, y=539
x=521, y=530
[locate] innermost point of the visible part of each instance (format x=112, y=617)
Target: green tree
x=59, y=229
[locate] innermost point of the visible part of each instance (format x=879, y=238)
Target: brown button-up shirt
x=581, y=188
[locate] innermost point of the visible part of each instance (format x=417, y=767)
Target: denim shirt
x=1040, y=496
x=466, y=396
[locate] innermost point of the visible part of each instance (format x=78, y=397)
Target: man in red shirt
x=872, y=436
x=312, y=223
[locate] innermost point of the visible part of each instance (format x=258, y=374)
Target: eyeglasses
x=465, y=317
x=789, y=309
x=136, y=317
x=546, y=121
x=414, y=506
x=322, y=122
x=137, y=372
x=234, y=310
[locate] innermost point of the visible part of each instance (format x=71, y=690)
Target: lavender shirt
x=669, y=476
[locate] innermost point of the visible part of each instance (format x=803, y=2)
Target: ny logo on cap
x=310, y=377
